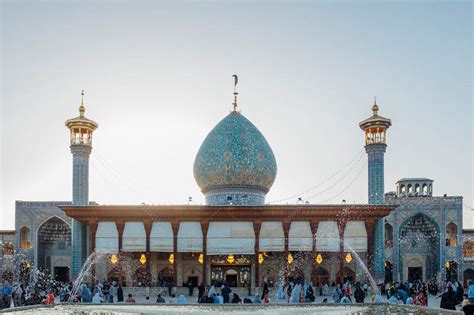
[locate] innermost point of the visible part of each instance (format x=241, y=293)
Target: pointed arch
x=53, y=240
x=25, y=237
x=388, y=235
x=423, y=232
x=451, y=234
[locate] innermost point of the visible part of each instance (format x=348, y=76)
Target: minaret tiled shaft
x=80, y=196
x=375, y=154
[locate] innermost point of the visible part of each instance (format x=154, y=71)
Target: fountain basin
x=241, y=309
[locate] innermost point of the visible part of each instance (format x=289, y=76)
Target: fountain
x=39, y=280
x=365, y=269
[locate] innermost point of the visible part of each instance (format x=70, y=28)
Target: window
x=388, y=235
x=25, y=238
x=468, y=249
x=451, y=234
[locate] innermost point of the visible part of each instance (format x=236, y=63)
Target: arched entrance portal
x=419, y=248
x=54, y=248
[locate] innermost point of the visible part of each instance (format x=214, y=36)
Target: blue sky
x=157, y=77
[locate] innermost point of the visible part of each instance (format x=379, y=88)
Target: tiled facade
x=236, y=166
x=440, y=212
x=80, y=196
x=7, y=262
x=29, y=217
x=375, y=153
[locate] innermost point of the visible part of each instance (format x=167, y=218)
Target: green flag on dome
x=236, y=79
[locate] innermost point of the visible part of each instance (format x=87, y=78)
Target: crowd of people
x=451, y=294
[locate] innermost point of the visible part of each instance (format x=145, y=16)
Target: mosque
x=236, y=237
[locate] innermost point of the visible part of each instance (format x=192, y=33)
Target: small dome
x=235, y=156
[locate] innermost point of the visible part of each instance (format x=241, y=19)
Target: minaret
x=375, y=128
x=81, y=130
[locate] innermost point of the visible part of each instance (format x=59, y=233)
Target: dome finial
x=236, y=80
x=82, y=109
x=375, y=108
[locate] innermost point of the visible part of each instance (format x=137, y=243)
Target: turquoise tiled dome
x=235, y=155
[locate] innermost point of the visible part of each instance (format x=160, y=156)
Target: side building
x=7, y=263
x=43, y=237
x=423, y=235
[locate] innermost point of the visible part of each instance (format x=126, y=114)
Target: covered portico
x=240, y=245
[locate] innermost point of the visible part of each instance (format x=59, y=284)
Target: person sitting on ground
x=411, y=299
x=257, y=300
x=147, y=300
x=49, y=298
x=97, y=299
x=130, y=299
x=421, y=299
x=160, y=299
x=247, y=301
x=376, y=299
x=470, y=289
x=181, y=299
x=236, y=299
x=393, y=296
x=218, y=299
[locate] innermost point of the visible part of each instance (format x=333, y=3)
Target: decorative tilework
x=236, y=155
x=375, y=154
x=80, y=196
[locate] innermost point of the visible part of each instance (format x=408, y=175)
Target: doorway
x=61, y=274
x=231, y=278
x=415, y=273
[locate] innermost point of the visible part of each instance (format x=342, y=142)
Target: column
x=93, y=230
x=80, y=196
x=204, y=228
x=342, y=226
x=396, y=247
x=369, y=225
x=314, y=228
x=175, y=226
x=120, y=225
x=256, y=227
x=148, y=225
x=286, y=230
x=375, y=153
